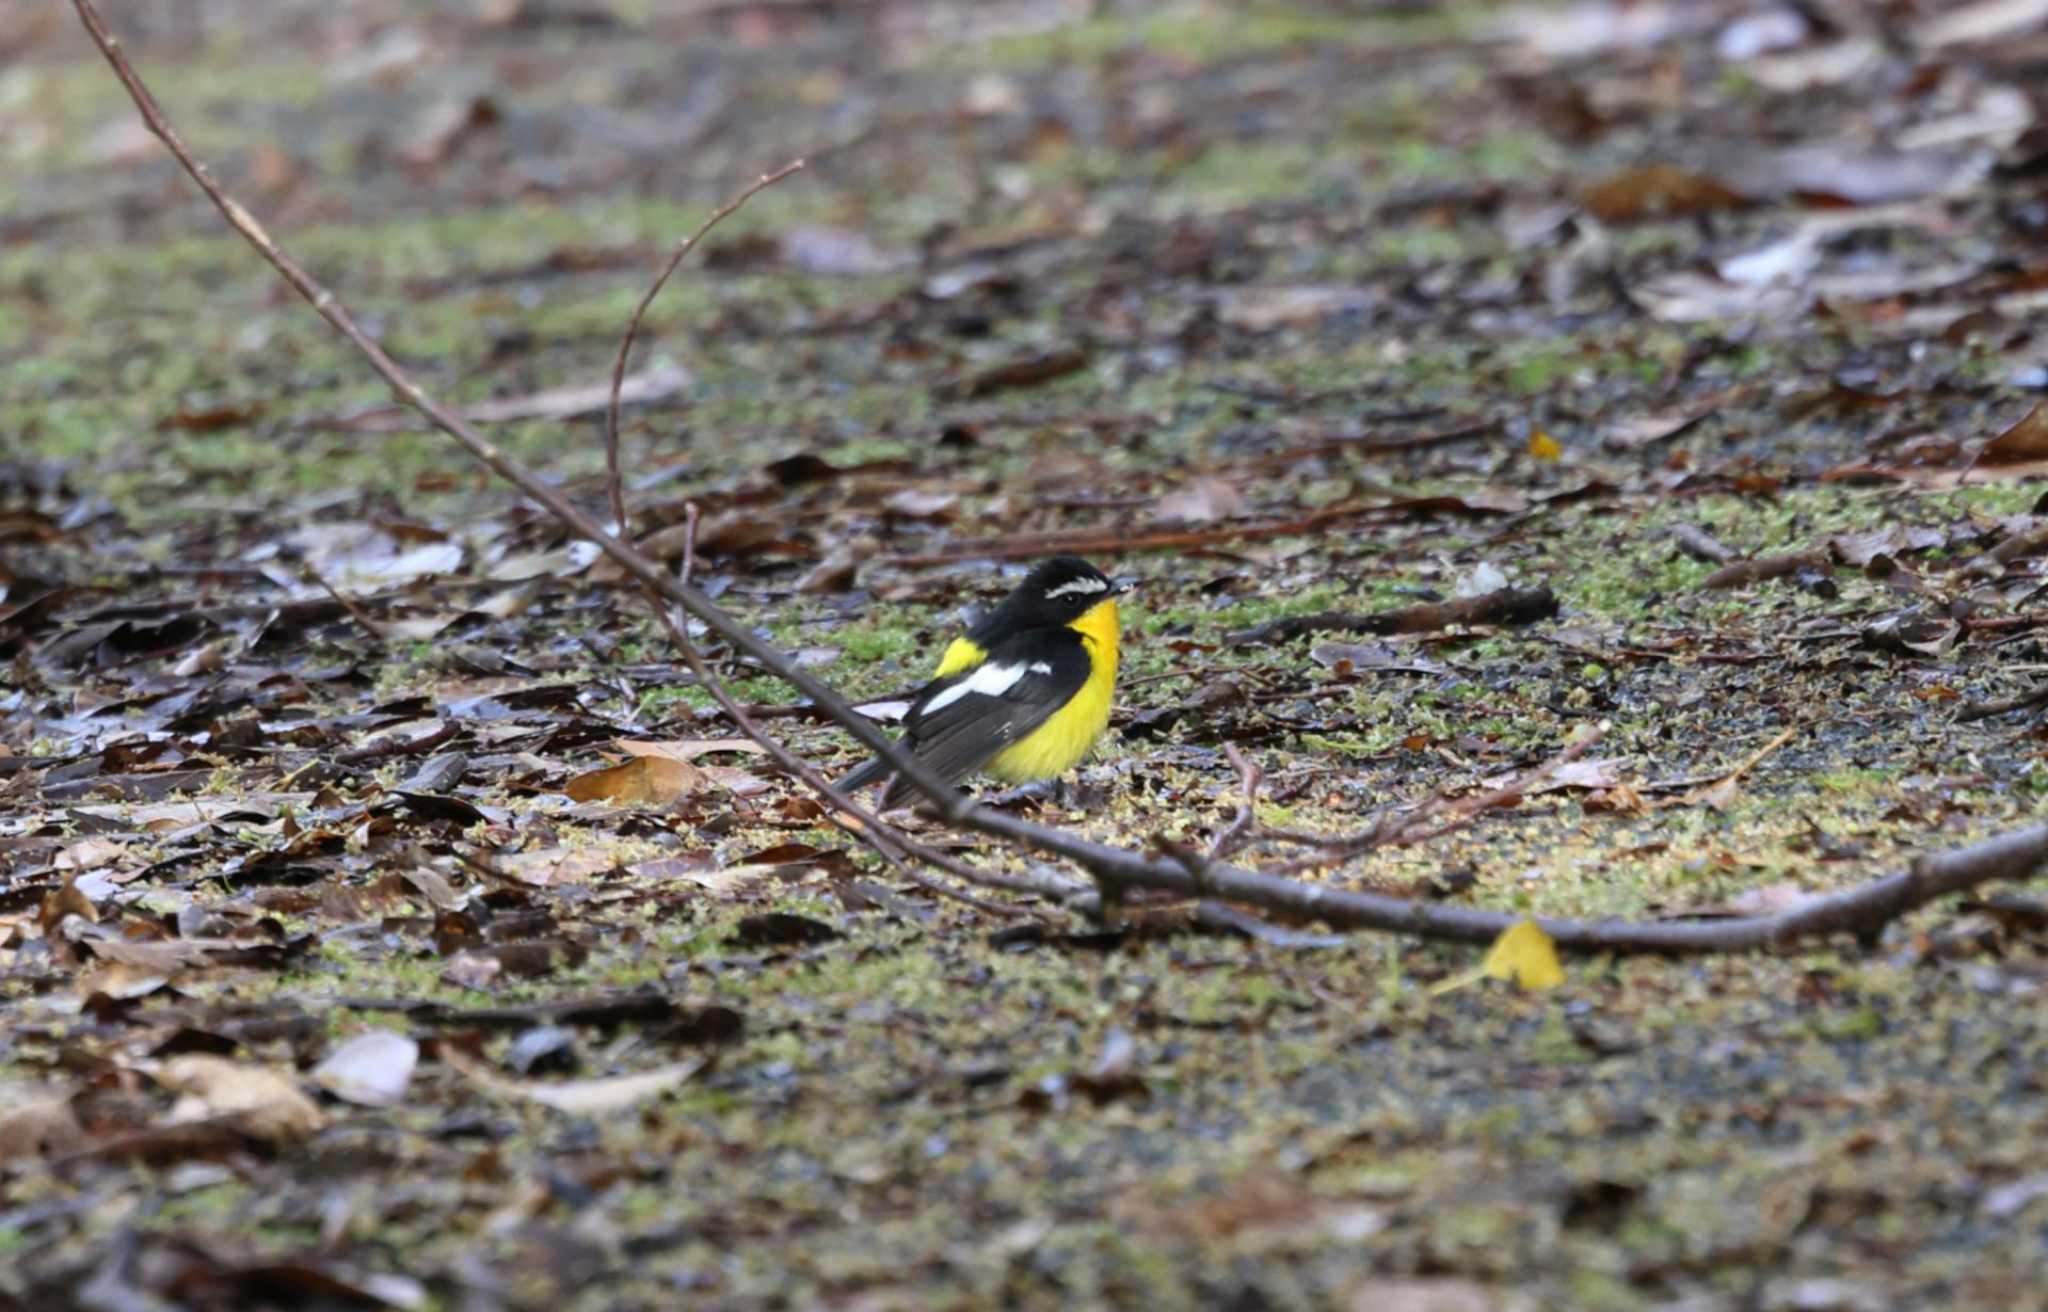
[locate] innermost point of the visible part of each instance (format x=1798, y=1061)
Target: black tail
x=900, y=792
x=875, y=769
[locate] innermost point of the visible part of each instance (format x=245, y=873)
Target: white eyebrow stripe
x=1083, y=584
x=988, y=680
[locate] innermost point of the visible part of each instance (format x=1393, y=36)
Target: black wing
x=958, y=723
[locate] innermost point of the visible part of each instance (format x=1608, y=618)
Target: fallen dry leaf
x=642, y=781
x=372, y=1069
x=685, y=749
x=1657, y=190
x=1524, y=955
x=1202, y=502
x=596, y=1097
x=2025, y=440
x=36, y=1123
x=261, y=1101
x=552, y=867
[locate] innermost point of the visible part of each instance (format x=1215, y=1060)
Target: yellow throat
x=1059, y=744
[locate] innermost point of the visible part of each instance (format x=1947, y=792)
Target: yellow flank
x=960, y=655
x=1057, y=745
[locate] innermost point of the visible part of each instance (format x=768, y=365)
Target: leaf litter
x=308, y=725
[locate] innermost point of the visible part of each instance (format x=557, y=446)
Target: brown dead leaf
x=121, y=982
x=1657, y=190
x=260, y=1100
x=1027, y=371
x=36, y=1124
x=2025, y=440
x=89, y=854
x=836, y=573
x=555, y=866
x=208, y=419
x=67, y=900
x=642, y=781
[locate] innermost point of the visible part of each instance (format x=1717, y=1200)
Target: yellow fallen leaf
x=1543, y=446
x=644, y=780
x=1523, y=955
x=1526, y=956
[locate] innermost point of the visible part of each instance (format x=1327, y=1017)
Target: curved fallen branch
x=1861, y=911
x=1502, y=606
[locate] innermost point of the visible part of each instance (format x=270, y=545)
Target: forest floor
x=338, y=968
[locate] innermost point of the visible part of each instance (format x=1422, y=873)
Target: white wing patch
x=1083, y=584
x=988, y=680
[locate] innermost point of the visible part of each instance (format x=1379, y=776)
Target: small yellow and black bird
x=1025, y=694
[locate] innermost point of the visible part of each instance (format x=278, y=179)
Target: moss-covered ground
x=1305, y=257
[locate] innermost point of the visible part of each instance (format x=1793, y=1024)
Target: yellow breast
x=1058, y=745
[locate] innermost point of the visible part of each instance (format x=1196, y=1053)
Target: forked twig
x=675, y=259
x=1249, y=777
x=1862, y=910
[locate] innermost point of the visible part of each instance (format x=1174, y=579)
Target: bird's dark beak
x=1120, y=586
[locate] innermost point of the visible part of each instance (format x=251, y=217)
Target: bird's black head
x=1056, y=592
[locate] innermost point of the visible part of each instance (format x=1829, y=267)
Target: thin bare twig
x=1758, y=569
x=1119, y=541
x=1699, y=789
x=1862, y=910
x=1701, y=545
x=2026, y=701
x=1501, y=606
x=1249, y=777
x=355, y=612
x=683, y=248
